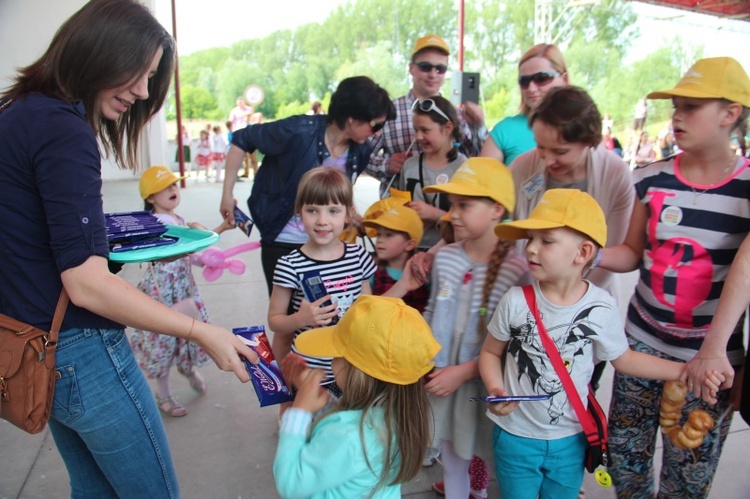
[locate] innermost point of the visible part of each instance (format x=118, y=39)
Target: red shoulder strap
x=589, y=426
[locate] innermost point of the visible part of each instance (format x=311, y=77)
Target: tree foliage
x=375, y=38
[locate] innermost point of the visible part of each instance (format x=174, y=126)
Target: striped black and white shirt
x=342, y=278
x=692, y=236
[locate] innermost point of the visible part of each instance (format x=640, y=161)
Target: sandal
x=168, y=405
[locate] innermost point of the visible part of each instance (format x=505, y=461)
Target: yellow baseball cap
x=400, y=218
x=561, y=208
x=431, y=41
x=378, y=208
x=156, y=179
x=712, y=78
x=381, y=336
x=481, y=177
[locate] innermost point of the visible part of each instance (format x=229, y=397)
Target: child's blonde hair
x=406, y=412
x=324, y=185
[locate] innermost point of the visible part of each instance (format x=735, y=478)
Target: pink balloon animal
x=215, y=260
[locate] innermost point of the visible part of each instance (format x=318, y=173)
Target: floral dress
x=169, y=283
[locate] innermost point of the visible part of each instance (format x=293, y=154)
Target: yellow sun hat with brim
x=156, y=179
x=431, y=41
x=712, y=78
x=381, y=336
x=481, y=177
x=378, y=208
x=561, y=208
x=399, y=218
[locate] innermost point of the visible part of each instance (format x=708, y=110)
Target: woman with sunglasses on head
x=359, y=109
x=105, y=74
x=437, y=131
x=540, y=69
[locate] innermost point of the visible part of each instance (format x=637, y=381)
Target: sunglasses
x=428, y=105
x=426, y=67
x=376, y=126
x=542, y=78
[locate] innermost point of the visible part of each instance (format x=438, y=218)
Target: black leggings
x=269, y=255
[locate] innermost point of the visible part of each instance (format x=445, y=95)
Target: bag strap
x=57, y=319
x=589, y=426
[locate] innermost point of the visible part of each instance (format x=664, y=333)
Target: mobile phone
x=510, y=398
x=244, y=222
x=314, y=289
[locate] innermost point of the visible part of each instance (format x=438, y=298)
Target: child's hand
x=315, y=314
x=310, y=396
x=501, y=408
x=425, y=211
x=712, y=383
x=292, y=367
x=445, y=381
x=225, y=225
x=421, y=265
x=196, y=225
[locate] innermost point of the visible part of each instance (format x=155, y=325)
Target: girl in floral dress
x=171, y=283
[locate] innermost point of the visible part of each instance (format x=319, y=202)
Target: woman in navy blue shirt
x=104, y=75
x=341, y=139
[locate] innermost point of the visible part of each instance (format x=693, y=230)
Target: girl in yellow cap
x=171, y=283
x=468, y=279
x=690, y=216
x=375, y=436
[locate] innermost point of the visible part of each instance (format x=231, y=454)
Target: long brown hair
x=406, y=412
x=104, y=45
x=493, y=267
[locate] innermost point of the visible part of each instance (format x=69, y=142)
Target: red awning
x=732, y=9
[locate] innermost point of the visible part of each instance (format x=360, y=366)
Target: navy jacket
x=291, y=147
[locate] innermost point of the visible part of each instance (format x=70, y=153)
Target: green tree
x=197, y=102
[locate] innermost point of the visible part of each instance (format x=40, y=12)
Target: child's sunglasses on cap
x=376, y=125
x=428, y=105
x=542, y=78
x=426, y=67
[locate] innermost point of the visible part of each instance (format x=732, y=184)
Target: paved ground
x=224, y=448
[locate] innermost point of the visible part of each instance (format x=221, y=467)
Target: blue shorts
x=528, y=467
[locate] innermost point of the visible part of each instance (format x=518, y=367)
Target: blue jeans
x=105, y=422
x=528, y=468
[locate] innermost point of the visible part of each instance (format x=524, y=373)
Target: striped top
x=692, y=236
x=342, y=278
x=453, y=311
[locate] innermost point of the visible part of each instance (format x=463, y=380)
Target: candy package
x=266, y=376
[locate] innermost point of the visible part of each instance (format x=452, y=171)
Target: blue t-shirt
x=513, y=136
x=51, y=211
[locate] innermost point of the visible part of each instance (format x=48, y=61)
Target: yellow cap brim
x=518, y=230
x=681, y=92
x=318, y=342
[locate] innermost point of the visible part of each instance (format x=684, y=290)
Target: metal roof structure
x=731, y=9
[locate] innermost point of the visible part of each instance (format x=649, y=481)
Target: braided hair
x=493, y=267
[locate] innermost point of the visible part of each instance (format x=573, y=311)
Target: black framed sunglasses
x=542, y=78
x=376, y=126
x=428, y=105
x=426, y=67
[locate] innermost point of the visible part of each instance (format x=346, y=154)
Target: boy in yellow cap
x=375, y=437
x=540, y=446
x=399, y=230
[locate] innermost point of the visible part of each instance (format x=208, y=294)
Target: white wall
x=27, y=27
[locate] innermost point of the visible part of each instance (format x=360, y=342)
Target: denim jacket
x=291, y=147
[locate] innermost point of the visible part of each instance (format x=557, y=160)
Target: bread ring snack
x=690, y=443
x=668, y=422
x=701, y=420
x=673, y=432
x=691, y=432
x=676, y=391
x=669, y=406
x=698, y=424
